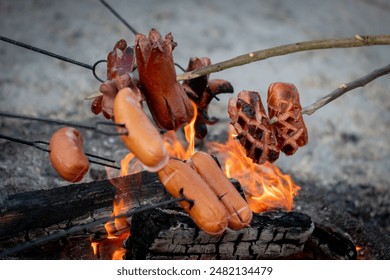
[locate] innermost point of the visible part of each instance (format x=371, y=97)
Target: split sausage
x=206, y=210
x=239, y=213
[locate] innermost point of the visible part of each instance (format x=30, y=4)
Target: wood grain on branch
x=356, y=41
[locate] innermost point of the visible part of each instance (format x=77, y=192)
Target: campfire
x=265, y=187
x=166, y=204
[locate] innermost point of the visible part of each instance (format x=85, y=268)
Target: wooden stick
x=361, y=82
x=356, y=41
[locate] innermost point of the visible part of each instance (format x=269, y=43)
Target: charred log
x=327, y=243
x=46, y=209
x=170, y=234
x=161, y=234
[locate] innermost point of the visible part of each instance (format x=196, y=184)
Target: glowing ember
x=265, y=186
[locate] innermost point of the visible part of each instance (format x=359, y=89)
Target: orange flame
x=118, y=230
x=189, y=132
x=174, y=145
x=265, y=186
x=95, y=247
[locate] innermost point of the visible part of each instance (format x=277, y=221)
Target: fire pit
x=158, y=233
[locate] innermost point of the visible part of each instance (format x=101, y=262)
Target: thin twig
x=357, y=41
x=361, y=82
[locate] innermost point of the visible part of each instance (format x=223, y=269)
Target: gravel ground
x=343, y=170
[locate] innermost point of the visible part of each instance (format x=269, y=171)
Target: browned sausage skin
x=290, y=129
x=239, y=213
x=168, y=103
x=255, y=133
x=143, y=138
x=206, y=211
x=67, y=155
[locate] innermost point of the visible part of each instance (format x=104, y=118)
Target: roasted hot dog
x=206, y=210
x=120, y=63
x=255, y=133
x=143, y=138
x=168, y=103
x=67, y=155
x=202, y=90
x=239, y=213
x=290, y=129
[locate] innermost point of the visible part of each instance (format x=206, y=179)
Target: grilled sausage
x=143, y=138
x=202, y=90
x=290, y=129
x=168, y=103
x=256, y=135
x=239, y=213
x=67, y=155
x=206, y=210
x=120, y=63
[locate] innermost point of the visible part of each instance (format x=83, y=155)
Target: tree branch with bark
x=356, y=41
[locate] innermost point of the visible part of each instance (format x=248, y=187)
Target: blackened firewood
x=44, y=210
x=330, y=244
x=169, y=234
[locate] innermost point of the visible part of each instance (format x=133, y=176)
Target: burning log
x=168, y=234
x=27, y=211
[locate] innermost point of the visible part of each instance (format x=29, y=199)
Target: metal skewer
x=60, y=57
x=42, y=144
x=73, y=124
x=119, y=17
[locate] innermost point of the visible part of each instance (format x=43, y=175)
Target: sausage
x=239, y=213
x=120, y=60
x=255, y=133
x=290, y=129
x=67, y=155
x=109, y=89
x=143, y=138
x=206, y=210
x=202, y=90
x=120, y=63
x=168, y=103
